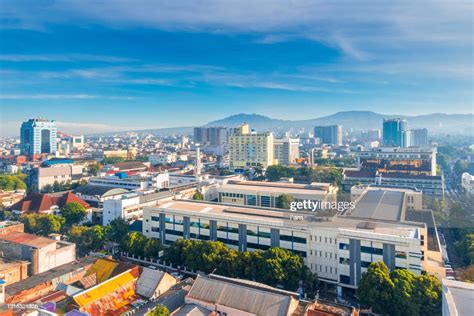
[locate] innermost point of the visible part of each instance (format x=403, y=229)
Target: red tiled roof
x=37, y=202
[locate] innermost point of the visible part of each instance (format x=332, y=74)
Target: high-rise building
x=393, y=132
x=419, y=137
x=249, y=149
x=286, y=150
x=212, y=139
x=329, y=135
x=38, y=136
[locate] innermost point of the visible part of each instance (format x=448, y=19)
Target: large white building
x=141, y=181
x=286, y=150
x=339, y=248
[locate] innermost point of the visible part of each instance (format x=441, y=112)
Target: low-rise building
x=162, y=158
x=44, y=203
x=129, y=206
x=42, y=253
x=8, y=198
x=265, y=194
x=58, y=170
x=12, y=271
x=429, y=185
x=228, y=296
x=95, y=195
x=142, y=181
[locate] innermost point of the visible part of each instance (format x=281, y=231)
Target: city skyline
x=146, y=62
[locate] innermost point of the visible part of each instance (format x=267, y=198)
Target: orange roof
x=37, y=202
x=111, y=295
x=27, y=239
x=103, y=269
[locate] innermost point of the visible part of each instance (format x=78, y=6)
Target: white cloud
x=356, y=27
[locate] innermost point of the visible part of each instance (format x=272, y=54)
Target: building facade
x=38, y=136
x=249, y=149
x=329, y=135
x=286, y=150
x=393, y=132
x=339, y=248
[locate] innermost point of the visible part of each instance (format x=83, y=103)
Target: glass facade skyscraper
x=394, y=132
x=38, y=136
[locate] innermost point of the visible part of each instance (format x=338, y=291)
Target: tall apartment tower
x=419, y=138
x=329, y=135
x=286, y=150
x=248, y=149
x=38, y=136
x=394, y=132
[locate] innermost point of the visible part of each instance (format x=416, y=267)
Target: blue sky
x=117, y=65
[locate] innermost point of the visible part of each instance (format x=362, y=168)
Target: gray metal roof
x=148, y=281
x=380, y=204
x=240, y=296
x=99, y=190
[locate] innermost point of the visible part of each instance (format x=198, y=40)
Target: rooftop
x=238, y=295
x=49, y=275
x=380, y=204
x=99, y=190
x=27, y=239
x=278, y=187
x=38, y=202
x=459, y=297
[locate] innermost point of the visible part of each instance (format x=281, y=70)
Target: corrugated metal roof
x=240, y=297
x=148, y=282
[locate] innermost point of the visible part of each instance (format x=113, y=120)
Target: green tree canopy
x=73, y=213
x=376, y=288
x=87, y=238
x=118, y=230
x=284, y=201
x=11, y=182
x=198, y=196
x=159, y=310
x=42, y=224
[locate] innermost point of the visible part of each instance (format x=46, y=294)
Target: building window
x=344, y=260
x=343, y=246
x=401, y=254
x=344, y=279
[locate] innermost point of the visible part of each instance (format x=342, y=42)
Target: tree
x=135, y=244
x=284, y=201
x=42, y=224
x=427, y=295
x=118, y=230
x=73, y=213
x=87, y=238
x=198, y=196
x=93, y=170
x=402, y=303
x=11, y=182
x=376, y=288
x=159, y=310
x=276, y=172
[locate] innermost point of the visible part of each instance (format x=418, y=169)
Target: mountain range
x=436, y=123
